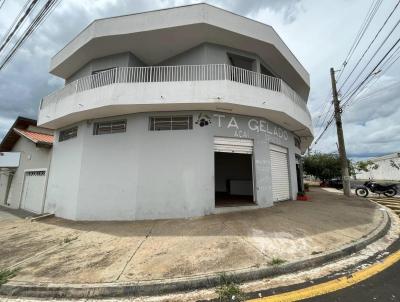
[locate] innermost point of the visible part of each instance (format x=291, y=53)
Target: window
x=68, y=133
x=109, y=127
x=158, y=123
x=242, y=62
x=297, y=142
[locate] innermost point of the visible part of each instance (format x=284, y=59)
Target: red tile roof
x=36, y=137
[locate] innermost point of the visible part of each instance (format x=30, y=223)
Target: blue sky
x=319, y=33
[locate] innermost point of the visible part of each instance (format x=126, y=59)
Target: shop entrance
x=233, y=163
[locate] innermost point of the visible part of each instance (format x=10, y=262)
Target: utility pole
x=342, y=149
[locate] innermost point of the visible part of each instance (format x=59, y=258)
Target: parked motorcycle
x=387, y=190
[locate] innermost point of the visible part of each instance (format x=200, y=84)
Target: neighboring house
x=175, y=113
x=25, y=154
x=388, y=168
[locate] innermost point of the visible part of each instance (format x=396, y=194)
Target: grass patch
x=6, y=275
x=276, y=261
x=69, y=239
x=229, y=290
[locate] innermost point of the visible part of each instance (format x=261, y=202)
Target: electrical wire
x=390, y=61
x=40, y=17
x=371, y=73
x=367, y=21
x=15, y=21
x=374, y=7
x=19, y=23
x=370, y=60
x=370, y=44
x=2, y=3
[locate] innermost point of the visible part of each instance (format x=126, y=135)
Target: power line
x=367, y=21
x=15, y=21
x=374, y=80
x=370, y=44
x=370, y=60
x=371, y=73
x=364, y=26
x=40, y=17
x=2, y=3
x=19, y=23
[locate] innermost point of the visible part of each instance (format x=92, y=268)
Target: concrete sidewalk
x=57, y=251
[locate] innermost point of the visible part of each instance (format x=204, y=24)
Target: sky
x=319, y=33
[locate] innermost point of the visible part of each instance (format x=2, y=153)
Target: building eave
x=207, y=23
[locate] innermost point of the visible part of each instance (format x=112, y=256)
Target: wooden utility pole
x=342, y=149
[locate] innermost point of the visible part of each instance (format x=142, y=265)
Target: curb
x=159, y=287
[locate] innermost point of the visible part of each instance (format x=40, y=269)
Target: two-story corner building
x=172, y=113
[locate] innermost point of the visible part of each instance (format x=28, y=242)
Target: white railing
x=180, y=73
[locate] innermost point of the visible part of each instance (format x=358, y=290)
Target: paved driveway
x=61, y=251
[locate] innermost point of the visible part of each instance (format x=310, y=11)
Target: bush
x=229, y=290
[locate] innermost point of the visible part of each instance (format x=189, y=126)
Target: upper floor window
x=242, y=62
x=68, y=133
x=181, y=122
x=297, y=142
x=266, y=71
x=109, y=127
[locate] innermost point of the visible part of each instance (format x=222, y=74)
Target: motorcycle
x=387, y=190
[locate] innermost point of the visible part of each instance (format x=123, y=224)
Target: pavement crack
x=135, y=251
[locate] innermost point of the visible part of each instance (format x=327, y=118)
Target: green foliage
x=323, y=166
x=69, y=239
x=229, y=290
x=6, y=274
x=365, y=166
x=394, y=165
x=276, y=261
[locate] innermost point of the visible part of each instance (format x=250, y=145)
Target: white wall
x=32, y=157
x=142, y=174
x=125, y=59
x=385, y=170
x=64, y=177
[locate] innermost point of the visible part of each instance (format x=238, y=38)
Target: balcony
x=182, y=87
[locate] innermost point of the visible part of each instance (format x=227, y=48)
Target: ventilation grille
x=109, y=127
x=182, y=122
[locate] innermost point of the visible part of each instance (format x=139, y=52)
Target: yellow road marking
x=333, y=285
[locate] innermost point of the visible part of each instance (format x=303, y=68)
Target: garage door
x=233, y=145
x=33, y=191
x=280, y=173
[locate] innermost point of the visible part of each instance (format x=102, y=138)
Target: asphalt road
x=384, y=286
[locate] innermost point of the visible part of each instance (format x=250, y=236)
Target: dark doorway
x=233, y=179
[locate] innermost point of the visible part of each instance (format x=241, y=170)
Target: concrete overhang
x=158, y=35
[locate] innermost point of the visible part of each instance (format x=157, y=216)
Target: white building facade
x=388, y=168
x=25, y=154
x=175, y=113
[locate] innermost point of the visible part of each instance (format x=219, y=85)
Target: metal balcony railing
x=179, y=73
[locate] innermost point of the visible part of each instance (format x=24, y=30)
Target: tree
x=323, y=166
x=366, y=166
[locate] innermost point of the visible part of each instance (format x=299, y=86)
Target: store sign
x=260, y=126
x=9, y=159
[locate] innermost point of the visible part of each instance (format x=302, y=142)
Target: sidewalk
x=56, y=251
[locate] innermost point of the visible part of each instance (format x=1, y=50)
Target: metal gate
x=233, y=145
x=33, y=191
x=280, y=173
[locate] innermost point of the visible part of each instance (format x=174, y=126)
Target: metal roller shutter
x=280, y=173
x=233, y=145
